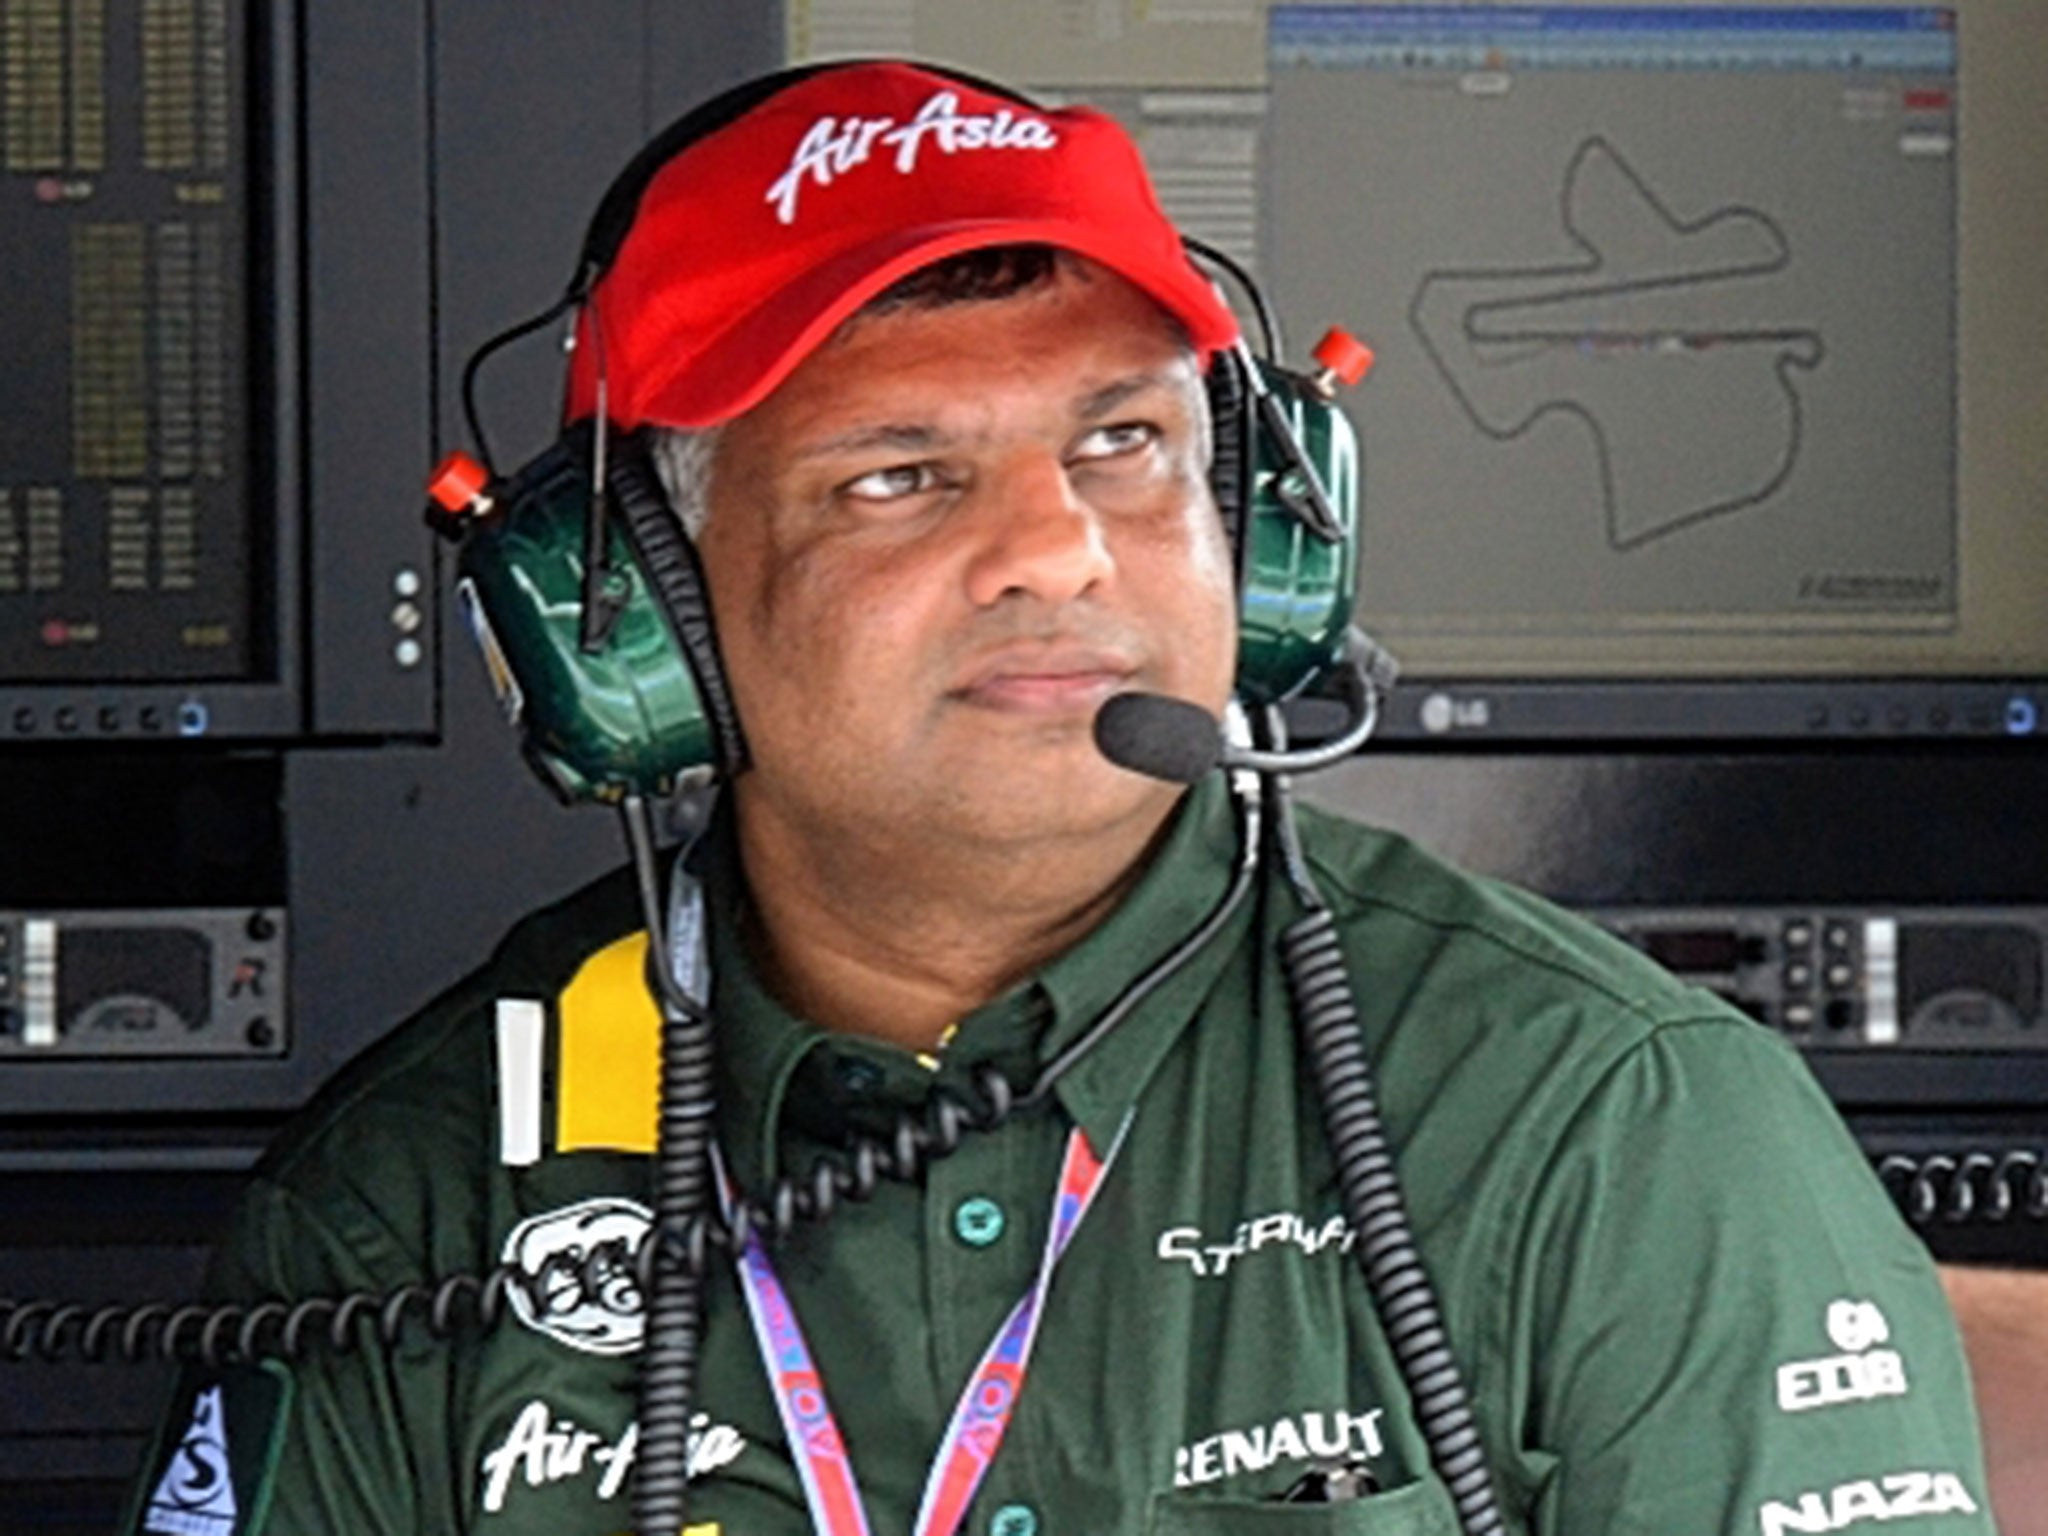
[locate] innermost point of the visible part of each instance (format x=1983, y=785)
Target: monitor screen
x=128, y=549
x=1664, y=437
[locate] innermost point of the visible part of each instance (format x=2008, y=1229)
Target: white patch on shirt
x=522, y=1025
x=833, y=146
x=1895, y=1496
x=1335, y=1436
x=541, y=1449
x=1859, y=1373
x=580, y=1260
x=196, y=1494
x=1186, y=1245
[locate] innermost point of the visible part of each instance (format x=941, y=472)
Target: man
x=940, y=367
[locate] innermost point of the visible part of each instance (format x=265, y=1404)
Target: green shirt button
x=1014, y=1520
x=857, y=1076
x=977, y=1223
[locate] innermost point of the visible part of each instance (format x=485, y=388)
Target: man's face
x=945, y=540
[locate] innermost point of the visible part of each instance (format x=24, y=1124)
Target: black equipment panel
x=149, y=982
x=1862, y=978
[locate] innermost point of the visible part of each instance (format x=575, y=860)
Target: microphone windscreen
x=1159, y=737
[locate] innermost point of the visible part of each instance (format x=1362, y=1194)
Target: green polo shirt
x=1681, y=1302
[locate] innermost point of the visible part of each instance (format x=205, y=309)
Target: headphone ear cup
x=1295, y=589
x=646, y=704
x=669, y=562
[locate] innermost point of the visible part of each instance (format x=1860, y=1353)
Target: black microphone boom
x=1171, y=739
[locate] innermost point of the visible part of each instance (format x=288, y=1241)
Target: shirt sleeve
x=319, y=1444
x=1729, y=1328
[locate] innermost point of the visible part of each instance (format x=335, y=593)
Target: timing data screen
x=125, y=526
x=1665, y=303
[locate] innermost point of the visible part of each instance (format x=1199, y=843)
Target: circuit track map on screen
x=1665, y=305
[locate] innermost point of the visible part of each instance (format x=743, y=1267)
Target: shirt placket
x=986, y=1216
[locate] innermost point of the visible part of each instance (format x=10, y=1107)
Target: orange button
x=1344, y=354
x=458, y=482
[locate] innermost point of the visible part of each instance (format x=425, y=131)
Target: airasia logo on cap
x=833, y=146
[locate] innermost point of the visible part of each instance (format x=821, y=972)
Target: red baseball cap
x=750, y=245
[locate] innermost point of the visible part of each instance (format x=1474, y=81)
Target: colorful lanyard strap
x=982, y=1414
x=980, y=1417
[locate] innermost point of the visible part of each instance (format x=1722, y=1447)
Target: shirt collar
x=1183, y=885
x=775, y=1067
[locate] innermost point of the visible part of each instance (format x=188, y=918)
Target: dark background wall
x=451, y=153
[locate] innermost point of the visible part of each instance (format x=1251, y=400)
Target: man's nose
x=1037, y=537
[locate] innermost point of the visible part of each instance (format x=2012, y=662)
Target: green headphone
x=628, y=695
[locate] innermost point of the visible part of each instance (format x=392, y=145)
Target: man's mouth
x=1046, y=680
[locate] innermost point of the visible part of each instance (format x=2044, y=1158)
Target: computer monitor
x=146, y=421
x=1671, y=433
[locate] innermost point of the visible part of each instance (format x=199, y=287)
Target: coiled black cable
x=235, y=1332
x=239, y=1332
x=672, y=1289
x=1313, y=958
x=1970, y=1187
x=1369, y=1187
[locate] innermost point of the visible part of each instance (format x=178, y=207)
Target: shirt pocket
x=1421, y=1509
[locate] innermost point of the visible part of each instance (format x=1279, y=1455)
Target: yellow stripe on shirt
x=608, y=1055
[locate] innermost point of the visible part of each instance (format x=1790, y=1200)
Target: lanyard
x=982, y=1414
x=979, y=1418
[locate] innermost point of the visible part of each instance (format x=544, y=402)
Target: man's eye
x=1116, y=440
x=893, y=483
